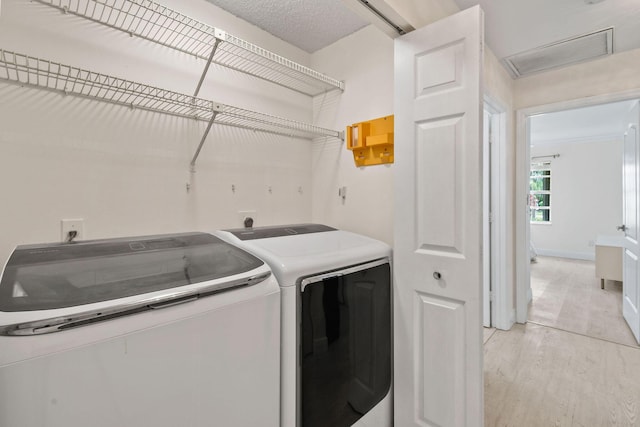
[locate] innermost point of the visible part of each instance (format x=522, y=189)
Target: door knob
x=621, y=227
x=437, y=275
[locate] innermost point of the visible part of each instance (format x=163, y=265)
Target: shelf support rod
x=204, y=137
x=206, y=67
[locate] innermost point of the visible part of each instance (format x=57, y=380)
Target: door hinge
x=491, y=296
x=491, y=218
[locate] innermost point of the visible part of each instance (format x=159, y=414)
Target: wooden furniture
x=608, y=258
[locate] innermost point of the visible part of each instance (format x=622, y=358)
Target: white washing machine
x=170, y=330
x=336, y=322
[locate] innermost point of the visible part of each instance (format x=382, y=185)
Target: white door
x=630, y=169
x=438, y=224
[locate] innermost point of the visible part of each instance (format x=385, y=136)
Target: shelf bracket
x=204, y=137
x=206, y=67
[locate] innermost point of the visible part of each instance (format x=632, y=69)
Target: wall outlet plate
x=70, y=225
x=242, y=215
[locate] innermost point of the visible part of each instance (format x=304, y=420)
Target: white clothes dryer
x=169, y=330
x=336, y=322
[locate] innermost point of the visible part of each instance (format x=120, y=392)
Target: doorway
x=497, y=312
x=569, y=172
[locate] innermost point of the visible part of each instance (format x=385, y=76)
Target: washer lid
x=292, y=256
x=51, y=276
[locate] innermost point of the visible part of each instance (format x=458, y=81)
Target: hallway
x=575, y=363
x=540, y=376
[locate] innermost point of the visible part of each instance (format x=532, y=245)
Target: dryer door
x=345, y=344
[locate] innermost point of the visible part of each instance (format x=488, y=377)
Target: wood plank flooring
x=541, y=376
x=567, y=296
x=575, y=363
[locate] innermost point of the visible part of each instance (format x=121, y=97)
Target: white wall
x=365, y=61
x=586, y=197
x=125, y=172
x=612, y=74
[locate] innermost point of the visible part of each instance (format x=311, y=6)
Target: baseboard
x=586, y=256
x=509, y=322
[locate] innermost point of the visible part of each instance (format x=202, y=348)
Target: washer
x=336, y=322
x=168, y=330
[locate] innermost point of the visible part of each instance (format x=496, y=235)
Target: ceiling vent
x=560, y=54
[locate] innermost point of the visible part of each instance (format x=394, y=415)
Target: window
x=540, y=192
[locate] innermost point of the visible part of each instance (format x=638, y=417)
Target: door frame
x=522, y=168
x=502, y=312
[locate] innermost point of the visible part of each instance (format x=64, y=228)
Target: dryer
x=167, y=330
x=336, y=322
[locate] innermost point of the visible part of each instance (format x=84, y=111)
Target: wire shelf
x=238, y=117
x=157, y=23
x=41, y=73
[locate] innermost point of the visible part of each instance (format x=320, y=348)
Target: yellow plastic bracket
x=371, y=142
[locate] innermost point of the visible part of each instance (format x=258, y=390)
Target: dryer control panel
x=278, y=231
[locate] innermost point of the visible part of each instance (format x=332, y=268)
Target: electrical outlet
x=591, y=243
x=69, y=226
x=242, y=215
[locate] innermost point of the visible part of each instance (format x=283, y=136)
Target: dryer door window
x=345, y=346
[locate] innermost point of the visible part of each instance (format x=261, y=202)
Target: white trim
x=523, y=145
x=488, y=307
x=586, y=256
x=502, y=304
x=521, y=211
x=578, y=140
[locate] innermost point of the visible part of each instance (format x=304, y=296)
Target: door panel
x=631, y=185
x=631, y=181
x=439, y=69
x=437, y=405
x=438, y=224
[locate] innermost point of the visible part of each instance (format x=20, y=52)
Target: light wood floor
x=578, y=365
x=567, y=296
x=540, y=376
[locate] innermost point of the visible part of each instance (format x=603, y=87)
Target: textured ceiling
x=307, y=24
x=511, y=26
x=581, y=124
x=514, y=26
